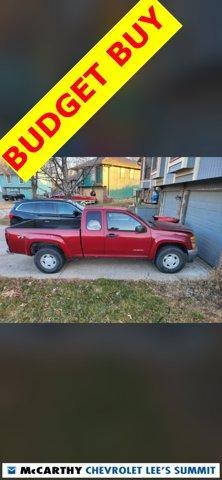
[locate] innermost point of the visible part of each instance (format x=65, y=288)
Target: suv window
x=46, y=207
x=27, y=207
x=94, y=221
x=65, y=208
x=38, y=207
x=121, y=221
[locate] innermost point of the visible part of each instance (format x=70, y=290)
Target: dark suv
x=48, y=209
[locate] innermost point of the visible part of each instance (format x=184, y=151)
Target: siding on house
x=95, y=176
x=210, y=167
x=13, y=182
x=183, y=169
x=169, y=179
x=99, y=174
x=184, y=178
x=118, y=176
x=175, y=168
x=120, y=181
x=89, y=179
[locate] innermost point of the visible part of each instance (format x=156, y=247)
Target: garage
x=171, y=203
x=204, y=216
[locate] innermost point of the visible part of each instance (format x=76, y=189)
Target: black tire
x=55, y=259
x=171, y=259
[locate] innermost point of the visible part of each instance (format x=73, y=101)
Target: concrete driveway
x=21, y=266
x=5, y=208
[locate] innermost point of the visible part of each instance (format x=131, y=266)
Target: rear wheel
x=171, y=259
x=49, y=260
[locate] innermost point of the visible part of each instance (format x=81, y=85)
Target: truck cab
x=111, y=232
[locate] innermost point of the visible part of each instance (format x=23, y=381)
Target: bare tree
x=34, y=183
x=57, y=170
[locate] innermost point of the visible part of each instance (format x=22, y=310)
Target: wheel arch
x=170, y=244
x=36, y=246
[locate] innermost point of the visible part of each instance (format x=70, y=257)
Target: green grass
x=101, y=301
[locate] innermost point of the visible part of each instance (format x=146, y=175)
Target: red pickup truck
x=103, y=232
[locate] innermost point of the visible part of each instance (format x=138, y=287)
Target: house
x=11, y=182
x=190, y=189
x=115, y=177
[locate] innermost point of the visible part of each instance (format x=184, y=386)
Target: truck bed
x=23, y=238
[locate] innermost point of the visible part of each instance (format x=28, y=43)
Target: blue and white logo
x=11, y=470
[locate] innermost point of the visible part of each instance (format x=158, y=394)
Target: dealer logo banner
x=106, y=470
x=87, y=87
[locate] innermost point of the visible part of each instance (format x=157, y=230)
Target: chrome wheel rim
x=171, y=261
x=48, y=261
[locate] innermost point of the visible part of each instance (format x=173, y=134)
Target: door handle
x=112, y=235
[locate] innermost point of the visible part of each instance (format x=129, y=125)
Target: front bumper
x=192, y=254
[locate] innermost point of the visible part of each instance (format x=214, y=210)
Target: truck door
x=121, y=237
x=92, y=233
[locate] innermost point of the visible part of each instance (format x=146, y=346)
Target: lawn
x=110, y=301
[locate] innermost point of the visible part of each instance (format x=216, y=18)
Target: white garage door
x=204, y=215
x=171, y=203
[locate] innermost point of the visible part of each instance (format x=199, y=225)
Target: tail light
x=10, y=216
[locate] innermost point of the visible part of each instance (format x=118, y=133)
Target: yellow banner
x=87, y=87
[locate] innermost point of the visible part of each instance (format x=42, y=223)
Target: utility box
x=147, y=212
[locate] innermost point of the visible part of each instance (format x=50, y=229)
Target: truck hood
x=171, y=227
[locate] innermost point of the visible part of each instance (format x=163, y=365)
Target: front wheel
x=49, y=260
x=171, y=259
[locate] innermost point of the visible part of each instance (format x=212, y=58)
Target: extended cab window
x=94, y=221
x=121, y=221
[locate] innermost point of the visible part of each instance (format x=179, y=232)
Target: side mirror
x=75, y=213
x=140, y=229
